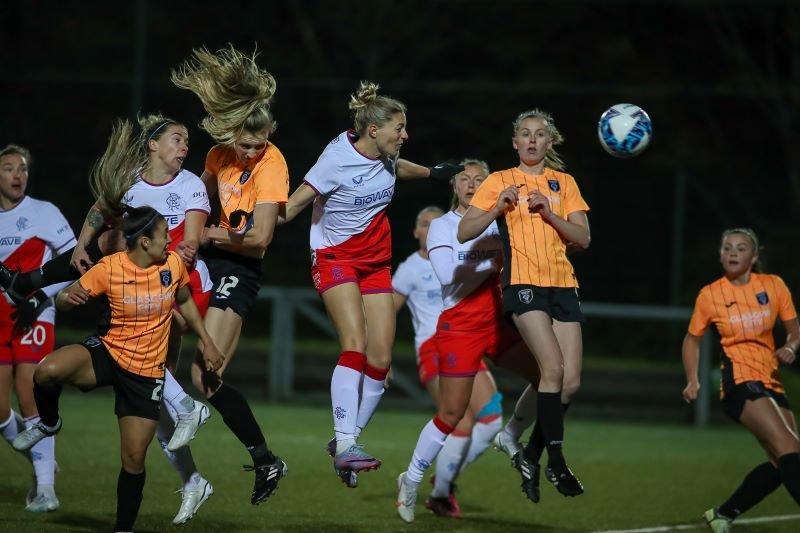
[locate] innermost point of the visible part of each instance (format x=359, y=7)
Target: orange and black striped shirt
x=241, y=187
x=141, y=301
x=534, y=252
x=745, y=316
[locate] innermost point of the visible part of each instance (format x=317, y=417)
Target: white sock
x=482, y=436
x=43, y=456
x=371, y=393
x=448, y=463
x=13, y=427
x=175, y=396
x=181, y=459
x=430, y=442
x=344, y=399
x=524, y=413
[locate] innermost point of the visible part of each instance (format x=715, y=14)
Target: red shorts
x=428, y=361
x=200, y=298
x=30, y=347
x=372, y=278
x=461, y=353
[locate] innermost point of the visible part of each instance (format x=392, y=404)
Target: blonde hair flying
x=118, y=168
x=368, y=107
x=234, y=91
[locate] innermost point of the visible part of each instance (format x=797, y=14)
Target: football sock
x=129, y=498
x=789, y=467
x=430, y=442
x=449, y=461
x=757, y=485
x=371, y=392
x=239, y=418
x=345, y=386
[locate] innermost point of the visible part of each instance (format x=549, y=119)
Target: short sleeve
x=197, y=194
x=572, y=197
x=271, y=177
x=214, y=159
x=786, y=309
x=323, y=177
x=702, y=313
x=59, y=236
x=439, y=235
x=403, y=279
x=96, y=279
x=485, y=197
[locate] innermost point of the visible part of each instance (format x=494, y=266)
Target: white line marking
x=757, y=520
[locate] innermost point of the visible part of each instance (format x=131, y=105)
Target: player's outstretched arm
x=72, y=296
x=406, y=170
x=212, y=357
x=299, y=200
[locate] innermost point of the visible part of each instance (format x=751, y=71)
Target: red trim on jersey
x=349, y=134
x=28, y=255
x=440, y=246
x=372, y=245
x=312, y=188
x=161, y=184
x=200, y=210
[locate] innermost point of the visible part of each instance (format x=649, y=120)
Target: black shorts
x=235, y=278
x=560, y=303
x=134, y=395
x=735, y=397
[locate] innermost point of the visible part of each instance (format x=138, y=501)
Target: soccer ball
x=624, y=130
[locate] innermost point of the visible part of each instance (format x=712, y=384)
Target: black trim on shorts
x=735, y=397
x=560, y=303
x=134, y=395
x=239, y=293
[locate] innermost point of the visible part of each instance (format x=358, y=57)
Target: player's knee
x=47, y=372
x=452, y=414
x=133, y=460
x=553, y=375
x=492, y=409
x=571, y=387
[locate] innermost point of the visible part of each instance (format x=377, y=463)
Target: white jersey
x=31, y=234
x=182, y=194
x=462, y=268
x=415, y=279
x=352, y=190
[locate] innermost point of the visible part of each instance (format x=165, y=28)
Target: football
x=624, y=130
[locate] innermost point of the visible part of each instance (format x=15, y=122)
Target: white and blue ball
x=624, y=130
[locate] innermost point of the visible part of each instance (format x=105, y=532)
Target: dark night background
x=718, y=78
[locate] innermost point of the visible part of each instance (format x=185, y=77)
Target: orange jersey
x=241, y=187
x=534, y=252
x=141, y=301
x=744, y=316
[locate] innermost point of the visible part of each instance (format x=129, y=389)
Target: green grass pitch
x=636, y=476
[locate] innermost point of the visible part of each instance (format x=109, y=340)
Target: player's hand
x=212, y=357
x=539, y=203
x=77, y=295
x=445, y=171
x=690, y=392
x=80, y=260
x=205, y=235
x=508, y=198
x=785, y=355
x=187, y=252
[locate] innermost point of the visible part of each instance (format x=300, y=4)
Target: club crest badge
x=526, y=296
x=554, y=185
x=763, y=298
x=166, y=278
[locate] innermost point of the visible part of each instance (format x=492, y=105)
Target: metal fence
x=293, y=303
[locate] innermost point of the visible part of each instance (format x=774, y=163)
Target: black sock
x=47, y=403
x=552, y=419
x=757, y=485
x=789, y=467
x=129, y=498
x=239, y=418
x=535, y=446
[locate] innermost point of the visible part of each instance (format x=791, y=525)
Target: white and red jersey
x=182, y=194
x=416, y=280
x=31, y=234
x=353, y=191
x=462, y=268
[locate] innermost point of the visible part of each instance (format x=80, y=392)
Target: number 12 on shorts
x=226, y=283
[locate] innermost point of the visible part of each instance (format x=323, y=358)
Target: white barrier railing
x=289, y=302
